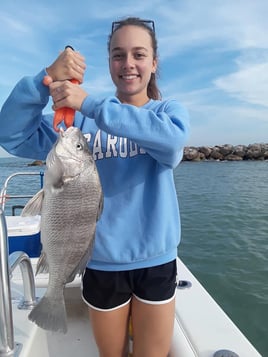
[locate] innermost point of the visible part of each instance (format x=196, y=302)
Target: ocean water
x=224, y=213
x=22, y=185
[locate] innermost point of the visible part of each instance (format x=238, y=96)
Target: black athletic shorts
x=109, y=290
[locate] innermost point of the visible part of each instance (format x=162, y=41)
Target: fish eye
x=79, y=146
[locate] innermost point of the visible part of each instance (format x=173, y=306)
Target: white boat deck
x=206, y=327
x=78, y=341
x=201, y=327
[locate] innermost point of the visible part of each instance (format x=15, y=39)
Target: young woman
x=137, y=140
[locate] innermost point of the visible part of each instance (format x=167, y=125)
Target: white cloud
x=225, y=25
x=248, y=84
x=13, y=25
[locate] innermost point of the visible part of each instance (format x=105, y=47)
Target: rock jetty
x=226, y=152
x=36, y=163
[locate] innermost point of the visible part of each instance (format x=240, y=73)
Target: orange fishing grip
x=64, y=114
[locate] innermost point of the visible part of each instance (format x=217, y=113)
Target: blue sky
x=213, y=55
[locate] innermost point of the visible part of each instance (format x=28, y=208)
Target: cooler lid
x=23, y=226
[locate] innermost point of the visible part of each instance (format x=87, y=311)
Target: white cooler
x=24, y=234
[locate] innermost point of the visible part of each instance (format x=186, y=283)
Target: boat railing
x=3, y=194
x=8, y=347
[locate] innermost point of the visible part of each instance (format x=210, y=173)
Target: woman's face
x=131, y=63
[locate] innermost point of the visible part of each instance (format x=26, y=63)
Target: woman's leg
x=152, y=328
x=110, y=329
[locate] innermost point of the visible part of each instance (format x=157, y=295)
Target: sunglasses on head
x=147, y=23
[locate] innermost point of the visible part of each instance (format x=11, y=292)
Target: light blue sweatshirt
x=136, y=150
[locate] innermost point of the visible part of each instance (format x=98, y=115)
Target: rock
x=216, y=154
x=254, y=152
x=265, y=155
x=233, y=157
x=227, y=152
x=205, y=150
x=191, y=153
x=226, y=149
x=202, y=156
x=239, y=150
x=36, y=163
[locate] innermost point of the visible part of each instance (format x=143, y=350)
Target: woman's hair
x=152, y=89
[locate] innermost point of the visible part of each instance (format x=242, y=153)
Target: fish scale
x=70, y=205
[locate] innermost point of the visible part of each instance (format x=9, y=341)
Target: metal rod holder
x=6, y=320
x=22, y=260
x=8, y=348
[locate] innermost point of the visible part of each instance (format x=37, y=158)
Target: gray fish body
x=70, y=205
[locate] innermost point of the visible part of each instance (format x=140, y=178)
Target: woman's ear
x=155, y=62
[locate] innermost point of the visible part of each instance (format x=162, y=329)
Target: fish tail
x=50, y=314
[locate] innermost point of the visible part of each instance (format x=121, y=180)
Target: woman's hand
x=69, y=65
x=67, y=94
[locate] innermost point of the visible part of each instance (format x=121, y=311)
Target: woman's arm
x=160, y=128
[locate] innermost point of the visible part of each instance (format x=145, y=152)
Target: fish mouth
x=61, y=132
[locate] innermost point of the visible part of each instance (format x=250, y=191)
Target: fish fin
x=34, y=205
x=100, y=208
x=80, y=268
x=50, y=313
x=42, y=264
